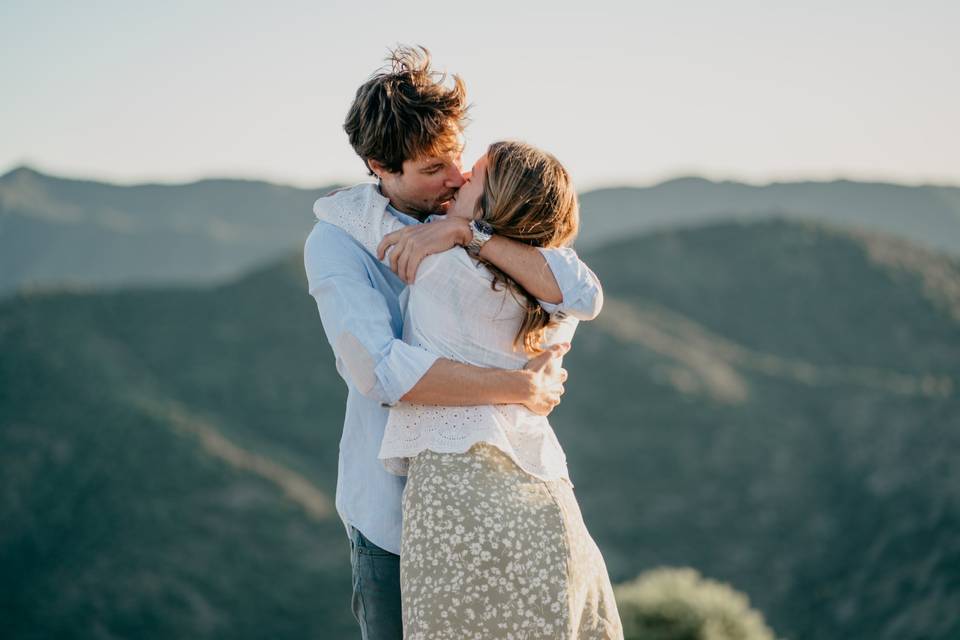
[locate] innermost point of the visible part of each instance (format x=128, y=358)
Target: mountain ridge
x=678, y=178
x=57, y=230
x=748, y=446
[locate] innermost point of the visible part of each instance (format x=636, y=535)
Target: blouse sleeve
x=367, y=224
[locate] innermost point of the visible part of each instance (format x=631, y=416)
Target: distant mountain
x=928, y=215
x=167, y=464
x=777, y=404
x=772, y=403
x=55, y=231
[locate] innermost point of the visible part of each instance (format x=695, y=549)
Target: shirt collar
x=401, y=216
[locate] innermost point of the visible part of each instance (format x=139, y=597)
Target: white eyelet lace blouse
x=452, y=311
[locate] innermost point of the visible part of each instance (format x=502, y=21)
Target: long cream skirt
x=489, y=551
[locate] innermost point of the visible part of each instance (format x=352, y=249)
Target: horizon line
x=595, y=185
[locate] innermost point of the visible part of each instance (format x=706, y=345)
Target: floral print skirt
x=489, y=551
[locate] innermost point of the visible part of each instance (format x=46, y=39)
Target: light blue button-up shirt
x=359, y=302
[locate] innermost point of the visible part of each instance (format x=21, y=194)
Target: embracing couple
x=449, y=299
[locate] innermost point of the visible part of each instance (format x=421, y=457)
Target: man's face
x=425, y=186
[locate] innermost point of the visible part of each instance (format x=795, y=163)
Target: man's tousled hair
x=406, y=111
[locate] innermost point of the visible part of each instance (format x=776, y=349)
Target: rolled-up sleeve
x=580, y=287
x=357, y=321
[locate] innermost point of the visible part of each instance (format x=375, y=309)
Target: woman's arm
x=527, y=266
x=556, y=277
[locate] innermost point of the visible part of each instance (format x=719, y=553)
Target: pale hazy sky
x=621, y=92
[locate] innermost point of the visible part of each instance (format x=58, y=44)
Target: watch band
x=481, y=234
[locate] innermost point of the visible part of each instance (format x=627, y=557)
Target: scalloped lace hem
x=400, y=465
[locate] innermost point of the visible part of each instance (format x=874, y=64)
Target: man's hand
x=414, y=243
x=547, y=379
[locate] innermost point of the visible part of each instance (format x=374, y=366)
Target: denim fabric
x=376, y=589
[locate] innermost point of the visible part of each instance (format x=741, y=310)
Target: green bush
x=678, y=604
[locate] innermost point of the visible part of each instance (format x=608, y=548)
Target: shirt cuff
x=401, y=369
x=564, y=264
x=549, y=307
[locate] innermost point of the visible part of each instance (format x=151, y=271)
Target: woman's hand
x=412, y=244
x=547, y=379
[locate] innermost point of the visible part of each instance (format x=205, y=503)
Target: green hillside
x=168, y=462
x=774, y=404
x=782, y=403
x=56, y=231
x=928, y=215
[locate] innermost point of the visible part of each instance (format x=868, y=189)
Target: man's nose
x=454, y=179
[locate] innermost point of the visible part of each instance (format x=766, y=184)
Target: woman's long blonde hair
x=527, y=196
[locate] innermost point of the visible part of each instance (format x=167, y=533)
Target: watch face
x=482, y=227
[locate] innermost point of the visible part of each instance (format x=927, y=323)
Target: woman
x=493, y=543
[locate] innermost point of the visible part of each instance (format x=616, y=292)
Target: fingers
x=557, y=350
x=552, y=365
x=536, y=363
x=388, y=241
x=401, y=265
x=405, y=254
x=545, y=359
x=546, y=401
x=413, y=263
x=405, y=260
x=552, y=402
x=395, y=257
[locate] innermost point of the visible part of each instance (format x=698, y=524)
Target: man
x=405, y=124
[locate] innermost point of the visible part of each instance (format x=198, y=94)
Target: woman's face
x=464, y=203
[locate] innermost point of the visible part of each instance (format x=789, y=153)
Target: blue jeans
x=376, y=589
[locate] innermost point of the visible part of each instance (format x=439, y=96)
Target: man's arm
x=357, y=323
x=538, y=386
x=556, y=277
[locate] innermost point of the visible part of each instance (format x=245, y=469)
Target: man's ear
x=378, y=168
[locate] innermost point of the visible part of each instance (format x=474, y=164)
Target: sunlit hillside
x=772, y=403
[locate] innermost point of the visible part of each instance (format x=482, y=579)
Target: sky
x=621, y=92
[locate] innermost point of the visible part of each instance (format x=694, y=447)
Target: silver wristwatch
x=481, y=233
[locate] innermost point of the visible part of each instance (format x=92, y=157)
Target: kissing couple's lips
x=447, y=201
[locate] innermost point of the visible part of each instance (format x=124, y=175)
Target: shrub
x=678, y=604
